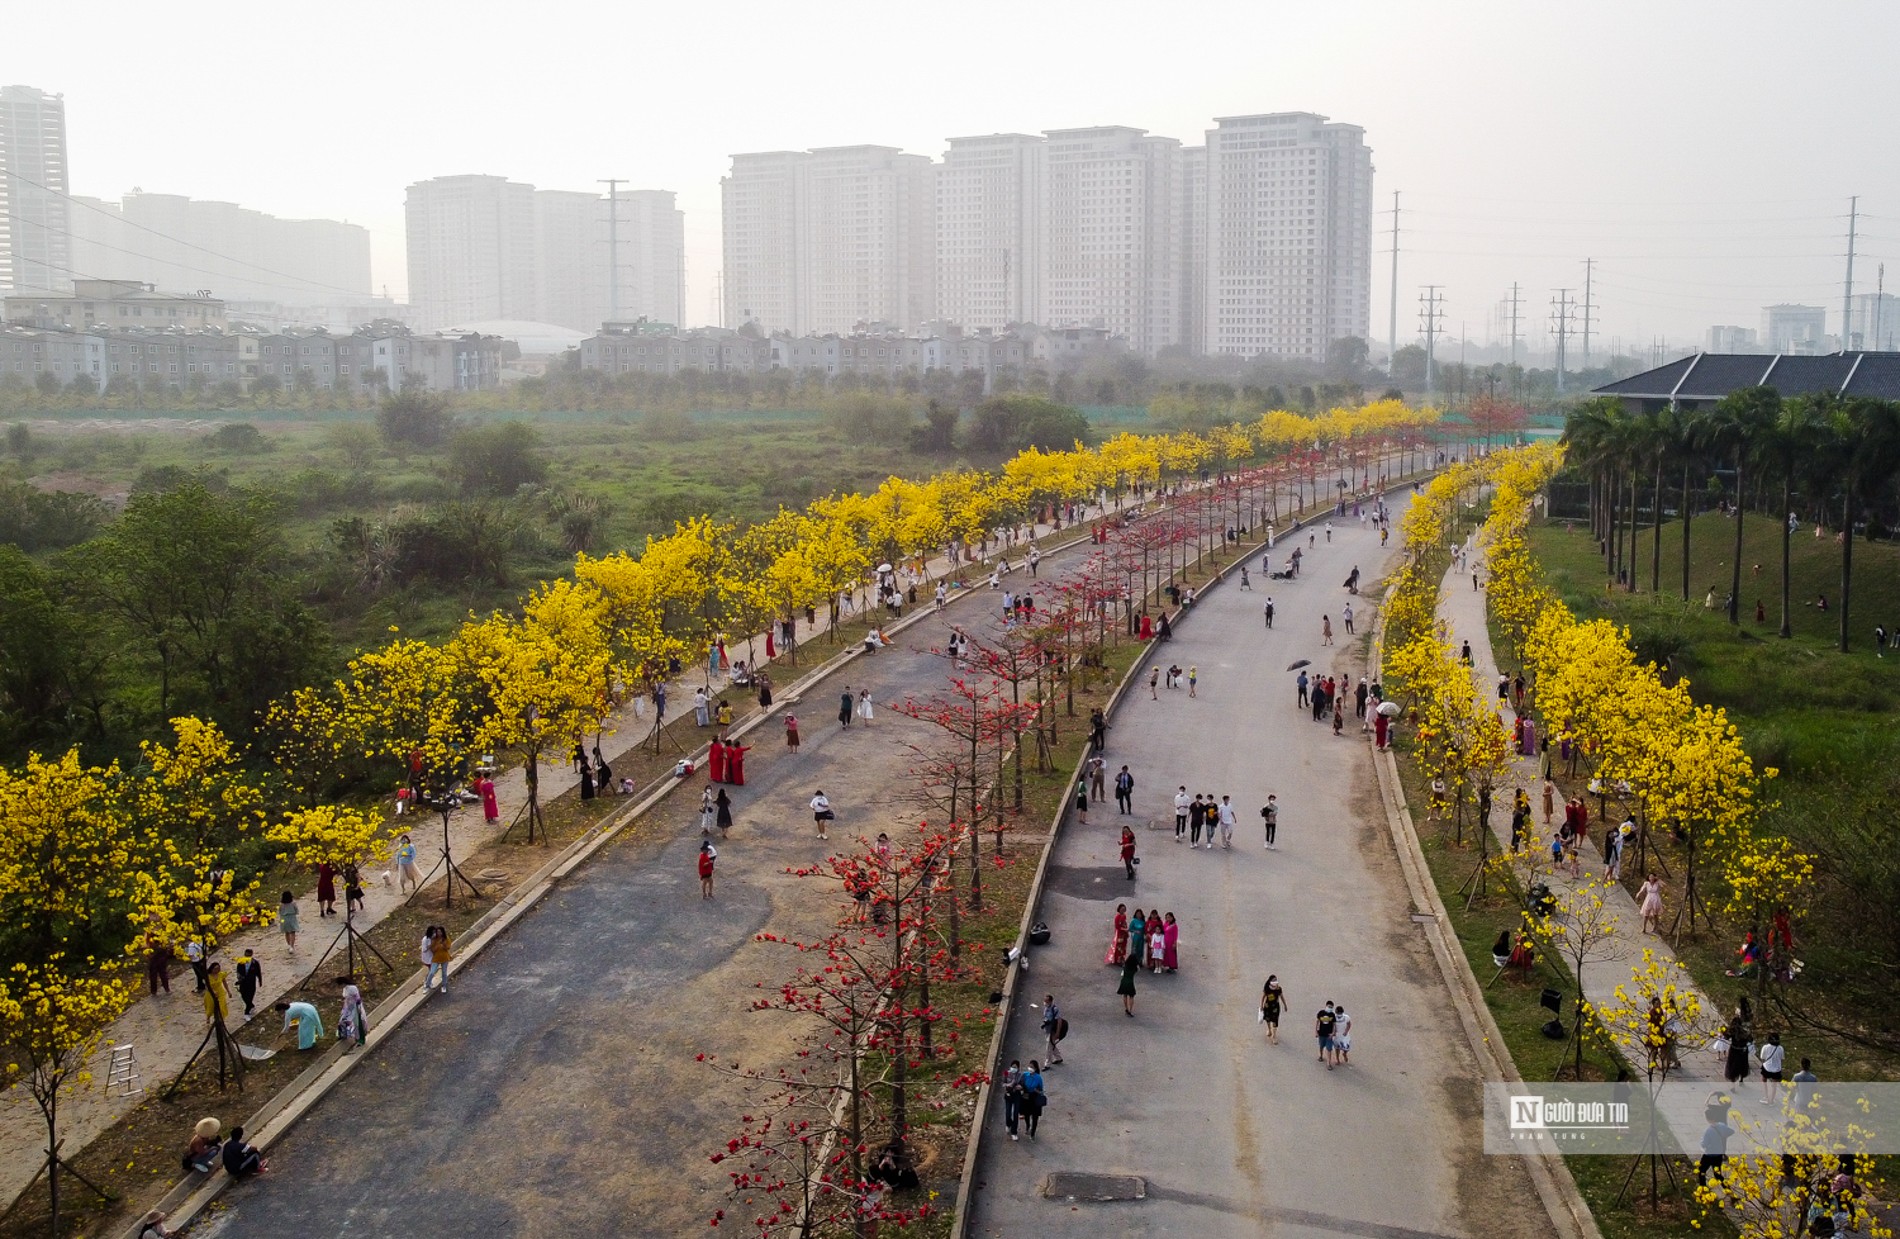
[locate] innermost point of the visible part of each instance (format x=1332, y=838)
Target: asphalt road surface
x=1233, y=1136
x=554, y=1090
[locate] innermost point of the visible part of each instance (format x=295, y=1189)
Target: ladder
x=122, y=1074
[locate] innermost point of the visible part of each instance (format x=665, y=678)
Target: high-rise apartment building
x=1258, y=243
x=570, y=259
x=1191, y=218
x=1289, y=235
x=759, y=221
x=576, y=267
x=989, y=230
x=652, y=259
x=181, y=244
x=1873, y=322
x=866, y=250
x=35, y=214
x=1798, y=329
x=828, y=239
x=1110, y=247
x=471, y=249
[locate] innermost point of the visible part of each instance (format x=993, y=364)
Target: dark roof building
x=1692, y=382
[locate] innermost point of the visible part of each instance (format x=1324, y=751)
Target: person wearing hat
x=152, y=1226
x=1613, y=859
x=203, y=1153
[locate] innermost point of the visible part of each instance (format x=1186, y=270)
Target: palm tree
x=1864, y=434
x=1787, y=448
x=1727, y=429
x=1588, y=433
x=1676, y=424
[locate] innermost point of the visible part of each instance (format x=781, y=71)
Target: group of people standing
x=1148, y=939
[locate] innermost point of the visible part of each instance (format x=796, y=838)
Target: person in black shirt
x=1323, y=1025
x=242, y=1160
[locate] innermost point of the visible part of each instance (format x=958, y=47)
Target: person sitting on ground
x=152, y=1226
x=240, y=1159
x=1501, y=949
x=205, y=1146
x=875, y=640
x=1750, y=951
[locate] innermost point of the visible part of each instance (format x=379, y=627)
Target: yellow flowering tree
x=341, y=838
x=66, y=853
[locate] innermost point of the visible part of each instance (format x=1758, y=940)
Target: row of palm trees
x=1834, y=458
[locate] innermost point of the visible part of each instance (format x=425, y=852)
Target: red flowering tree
x=803, y=1160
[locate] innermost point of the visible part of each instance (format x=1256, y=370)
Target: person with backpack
x=1054, y=1027
x=1034, y=1099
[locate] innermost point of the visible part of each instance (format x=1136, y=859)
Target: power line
x=1589, y=269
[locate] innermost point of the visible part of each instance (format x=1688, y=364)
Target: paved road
x=554, y=1091
x=1236, y=1137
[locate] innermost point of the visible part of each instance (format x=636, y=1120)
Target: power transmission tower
x=1515, y=380
x=1562, y=306
x=1589, y=269
x=1392, y=330
x=1847, y=293
x=1880, y=301
x=613, y=248
x=1431, y=310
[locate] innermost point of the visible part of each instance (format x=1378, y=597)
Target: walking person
x=722, y=812
x=1154, y=679
x=1227, y=819
x=847, y=705
x=1325, y=630
x=1181, y=813
x=1772, y=1057
x=791, y=732
x=1342, y=1035
x=702, y=708
x=1270, y=819
x=1613, y=855
x=1125, y=790
x=1194, y=675
x=1054, y=1027
x=1098, y=778
x=408, y=879
x=1302, y=683
x=707, y=855
x=1012, y=1082
x=1034, y=1099
x=1082, y=802
x=864, y=705
x=286, y=922
x=1268, y=610
x=1651, y=902
x=1272, y=1001
x=1346, y=617
x=1126, y=989
x=1550, y=799
x=821, y=813
x=435, y=957
x=1128, y=851
x=1324, y=1025
x=326, y=890
x=706, y=810
x=1197, y=817
x=250, y=975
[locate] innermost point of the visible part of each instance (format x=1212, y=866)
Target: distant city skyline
x=1515, y=136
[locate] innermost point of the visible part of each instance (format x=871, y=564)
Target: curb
x=189, y=1198
x=1550, y=1176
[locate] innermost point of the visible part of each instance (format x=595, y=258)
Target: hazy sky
x=1703, y=153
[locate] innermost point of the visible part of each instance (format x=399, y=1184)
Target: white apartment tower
x=866, y=250
x=35, y=213
x=1191, y=221
x=989, y=230
x=570, y=259
x=1111, y=250
x=652, y=259
x=471, y=250
x=1289, y=235
x=759, y=222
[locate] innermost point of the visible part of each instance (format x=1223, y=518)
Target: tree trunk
x=1687, y=513
x=52, y=1159
x=1735, y=579
x=1635, y=488
x=1655, y=550
x=1847, y=558
x=1609, y=525
x=1787, y=535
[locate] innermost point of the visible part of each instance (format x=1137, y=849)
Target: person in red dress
x=326, y=890
x=735, y=763
x=716, y=762
x=491, y=810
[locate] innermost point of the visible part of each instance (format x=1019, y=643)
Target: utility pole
x=1589, y=268
x=613, y=248
x=1561, y=307
x=1392, y=329
x=1516, y=382
x=1431, y=309
x=1880, y=300
x=1847, y=293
